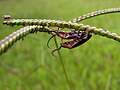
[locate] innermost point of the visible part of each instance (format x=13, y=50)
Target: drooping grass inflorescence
x=74, y=35
x=96, y=13
x=86, y=16
x=63, y=24
x=35, y=25
x=18, y=35
x=80, y=35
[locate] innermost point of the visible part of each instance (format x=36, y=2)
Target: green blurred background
x=29, y=65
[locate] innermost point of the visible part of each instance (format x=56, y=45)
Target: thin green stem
x=61, y=60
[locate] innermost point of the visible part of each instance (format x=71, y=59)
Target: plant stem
x=61, y=60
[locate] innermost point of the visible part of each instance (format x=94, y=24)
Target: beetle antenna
x=55, y=50
x=49, y=40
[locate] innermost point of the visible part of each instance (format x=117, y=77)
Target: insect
x=79, y=37
x=76, y=42
x=66, y=35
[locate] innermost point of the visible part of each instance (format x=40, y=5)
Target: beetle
x=82, y=37
x=67, y=35
x=76, y=42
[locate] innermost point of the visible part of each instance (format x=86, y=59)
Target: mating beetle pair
x=78, y=38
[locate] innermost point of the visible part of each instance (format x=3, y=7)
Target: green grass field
x=29, y=65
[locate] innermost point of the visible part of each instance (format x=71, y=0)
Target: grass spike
x=96, y=13
x=7, y=42
x=64, y=24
